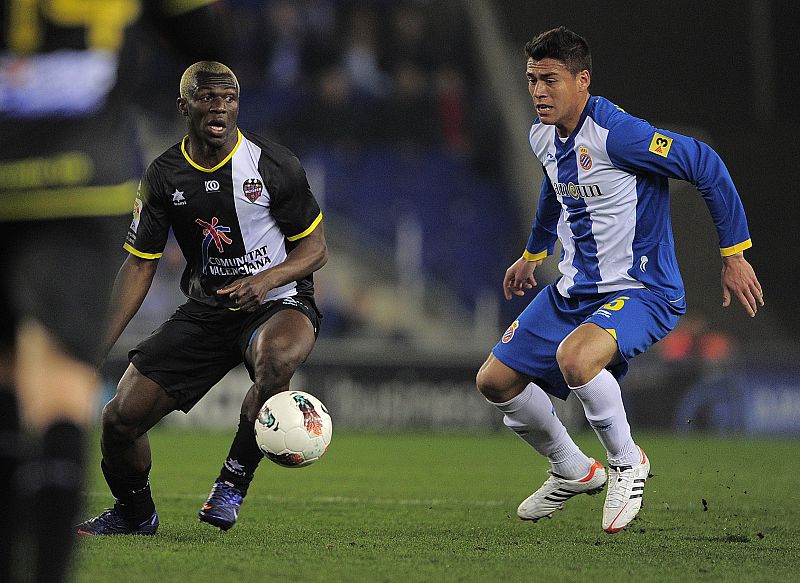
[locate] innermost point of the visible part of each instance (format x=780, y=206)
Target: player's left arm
x=638, y=147
x=298, y=215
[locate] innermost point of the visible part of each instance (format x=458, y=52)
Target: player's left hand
x=247, y=292
x=739, y=279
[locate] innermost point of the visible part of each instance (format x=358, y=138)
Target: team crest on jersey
x=585, y=159
x=252, y=188
x=509, y=333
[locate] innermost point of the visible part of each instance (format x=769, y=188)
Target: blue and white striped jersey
x=605, y=195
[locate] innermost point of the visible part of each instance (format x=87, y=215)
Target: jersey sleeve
x=149, y=229
x=637, y=147
x=293, y=205
x=541, y=243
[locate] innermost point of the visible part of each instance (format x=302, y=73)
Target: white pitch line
x=339, y=500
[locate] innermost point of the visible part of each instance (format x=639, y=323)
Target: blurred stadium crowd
x=382, y=102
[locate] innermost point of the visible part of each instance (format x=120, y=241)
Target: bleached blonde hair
x=189, y=78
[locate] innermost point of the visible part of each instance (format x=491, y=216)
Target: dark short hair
x=563, y=45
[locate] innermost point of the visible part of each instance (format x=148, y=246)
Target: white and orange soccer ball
x=293, y=429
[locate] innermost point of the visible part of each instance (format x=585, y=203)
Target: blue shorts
x=636, y=318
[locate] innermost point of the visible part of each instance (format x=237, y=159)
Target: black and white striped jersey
x=233, y=220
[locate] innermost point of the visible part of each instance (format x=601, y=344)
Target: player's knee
x=490, y=385
x=118, y=424
x=483, y=382
x=573, y=362
x=111, y=421
x=275, y=370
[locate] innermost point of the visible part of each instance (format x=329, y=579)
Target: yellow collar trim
x=218, y=166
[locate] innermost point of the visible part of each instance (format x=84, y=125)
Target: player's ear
x=182, y=106
x=584, y=79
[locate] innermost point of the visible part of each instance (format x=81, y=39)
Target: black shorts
x=191, y=352
x=60, y=273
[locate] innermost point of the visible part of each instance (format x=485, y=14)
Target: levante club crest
x=252, y=188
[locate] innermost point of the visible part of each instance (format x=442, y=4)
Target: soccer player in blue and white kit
x=605, y=196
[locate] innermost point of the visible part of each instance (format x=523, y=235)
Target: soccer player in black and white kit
x=252, y=235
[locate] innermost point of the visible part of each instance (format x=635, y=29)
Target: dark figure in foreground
x=69, y=165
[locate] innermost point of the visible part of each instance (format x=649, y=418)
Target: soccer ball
x=293, y=429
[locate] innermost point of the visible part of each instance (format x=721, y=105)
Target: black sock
x=9, y=461
x=243, y=458
x=131, y=492
x=54, y=482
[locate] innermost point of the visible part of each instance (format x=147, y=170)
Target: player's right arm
x=145, y=242
x=519, y=276
x=130, y=288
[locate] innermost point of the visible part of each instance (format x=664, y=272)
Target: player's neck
x=566, y=128
x=206, y=154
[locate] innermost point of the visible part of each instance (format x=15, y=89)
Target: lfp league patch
x=252, y=188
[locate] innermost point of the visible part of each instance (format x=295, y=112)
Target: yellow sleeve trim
x=308, y=231
x=134, y=251
x=727, y=251
x=611, y=331
x=218, y=166
x=528, y=256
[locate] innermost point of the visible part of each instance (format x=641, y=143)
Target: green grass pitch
x=407, y=507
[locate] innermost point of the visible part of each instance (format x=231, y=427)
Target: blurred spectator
x=410, y=39
x=693, y=340
x=285, y=33
x=361, y=56
x=408, y=116
x=328, y=116
x=450, y=94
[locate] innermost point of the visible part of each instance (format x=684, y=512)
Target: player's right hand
x=519, y=277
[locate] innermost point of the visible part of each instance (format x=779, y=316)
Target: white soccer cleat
x=557, y=490
x=624, y=496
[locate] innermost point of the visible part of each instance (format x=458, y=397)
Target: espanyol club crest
x=509, y=333
x=252, y=188
x=585, y=159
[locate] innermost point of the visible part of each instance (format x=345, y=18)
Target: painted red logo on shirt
x=216, y=232
x=213, y=232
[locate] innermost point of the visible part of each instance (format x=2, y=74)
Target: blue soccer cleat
x=222, y=507
x=111, y=522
